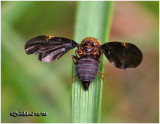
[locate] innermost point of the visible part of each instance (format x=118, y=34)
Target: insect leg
x=74, y=79
x=100, y=58
x=73, y=76
x=100, y=72
x=100, y=76
x=76, y=52
x=74, y=58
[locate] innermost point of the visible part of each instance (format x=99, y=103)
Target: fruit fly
x=87, y=55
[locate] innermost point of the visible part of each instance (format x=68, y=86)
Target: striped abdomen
x=86, y=69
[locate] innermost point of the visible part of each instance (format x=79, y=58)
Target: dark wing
x=122, y=55
x=49, y=48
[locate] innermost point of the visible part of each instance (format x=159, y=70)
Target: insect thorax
x=89, y=46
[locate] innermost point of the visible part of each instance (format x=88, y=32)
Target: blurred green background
x=30, y=85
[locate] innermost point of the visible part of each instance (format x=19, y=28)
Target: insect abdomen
x=86, y=69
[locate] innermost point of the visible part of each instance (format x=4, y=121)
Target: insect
x=87, y=55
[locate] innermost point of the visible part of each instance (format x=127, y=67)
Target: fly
x=87, y=55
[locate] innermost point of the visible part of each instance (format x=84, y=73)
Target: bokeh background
x=129, y=95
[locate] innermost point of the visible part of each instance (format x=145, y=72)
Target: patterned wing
x=49, y=48
x=122, y=55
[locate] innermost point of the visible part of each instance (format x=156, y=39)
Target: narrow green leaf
x=93, y=20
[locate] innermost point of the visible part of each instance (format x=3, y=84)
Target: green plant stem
x=93, y=20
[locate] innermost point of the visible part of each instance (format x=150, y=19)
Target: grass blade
x=93, y=20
